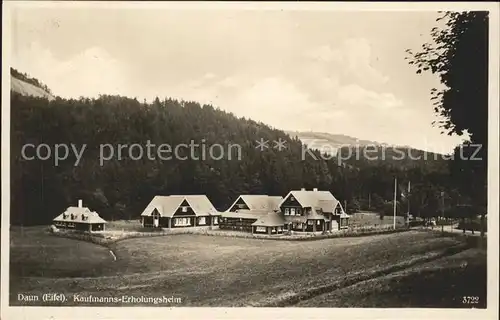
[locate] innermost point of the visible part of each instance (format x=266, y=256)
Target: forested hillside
x=121, y=188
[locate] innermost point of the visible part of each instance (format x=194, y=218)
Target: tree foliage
x=458, y=54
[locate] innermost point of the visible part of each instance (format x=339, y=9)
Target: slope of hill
x=353, y=151
x=26, y=86
x=334, y=139
x=329, y=143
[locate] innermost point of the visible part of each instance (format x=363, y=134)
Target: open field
x=363, y=219
x=35, y=253
x=441, y=283
x=217, y=271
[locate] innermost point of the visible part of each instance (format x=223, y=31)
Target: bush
x=472, y=225
x=416, y=223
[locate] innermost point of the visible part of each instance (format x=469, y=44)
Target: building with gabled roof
x=313, y=210
x=300, y=210
x=180, y=211
x=246, y=209
x=79, y=218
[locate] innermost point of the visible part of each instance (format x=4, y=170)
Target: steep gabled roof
x=200, y=204
x=323, y=200
x=80, y=215
x=260, y=201
x=167, y=205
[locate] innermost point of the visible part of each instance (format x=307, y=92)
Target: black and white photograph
x=309, y=160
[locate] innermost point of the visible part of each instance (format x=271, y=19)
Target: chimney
x=80, y=203
x=302, y=189
x=315, y=189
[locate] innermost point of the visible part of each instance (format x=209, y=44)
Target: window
x=182, y=221
x=292, y=198
x=287, y=211
x=292, y=211
x=202, y=220
x=318, y=222
x=310, y=222
x=216, y=220
x=260, y=229
x=184, y=209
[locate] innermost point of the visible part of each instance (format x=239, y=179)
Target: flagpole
x=408, y=198
x=395, y=190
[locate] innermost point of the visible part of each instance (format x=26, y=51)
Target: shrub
x=416, y=223
x=472, y=225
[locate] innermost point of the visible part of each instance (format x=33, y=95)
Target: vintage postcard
x=249, y=160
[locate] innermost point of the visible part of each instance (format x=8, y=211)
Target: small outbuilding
x=79, y=218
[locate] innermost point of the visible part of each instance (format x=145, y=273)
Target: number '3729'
x=470, y=299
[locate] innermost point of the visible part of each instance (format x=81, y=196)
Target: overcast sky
x=336, y=72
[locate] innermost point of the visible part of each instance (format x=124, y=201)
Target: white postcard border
x=251, y=313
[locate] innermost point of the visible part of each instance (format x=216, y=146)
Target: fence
x=109, y=237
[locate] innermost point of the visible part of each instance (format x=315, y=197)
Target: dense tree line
x=121, y=188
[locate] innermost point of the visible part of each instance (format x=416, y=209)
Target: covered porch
x=158, y=221
x=272, y=223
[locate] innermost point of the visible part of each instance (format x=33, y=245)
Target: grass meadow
x=409, y=269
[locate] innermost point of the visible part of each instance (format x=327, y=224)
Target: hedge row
x=106, y=238
x=474, y=225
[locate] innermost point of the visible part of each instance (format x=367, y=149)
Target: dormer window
x=65, y=215
x=72, y=216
